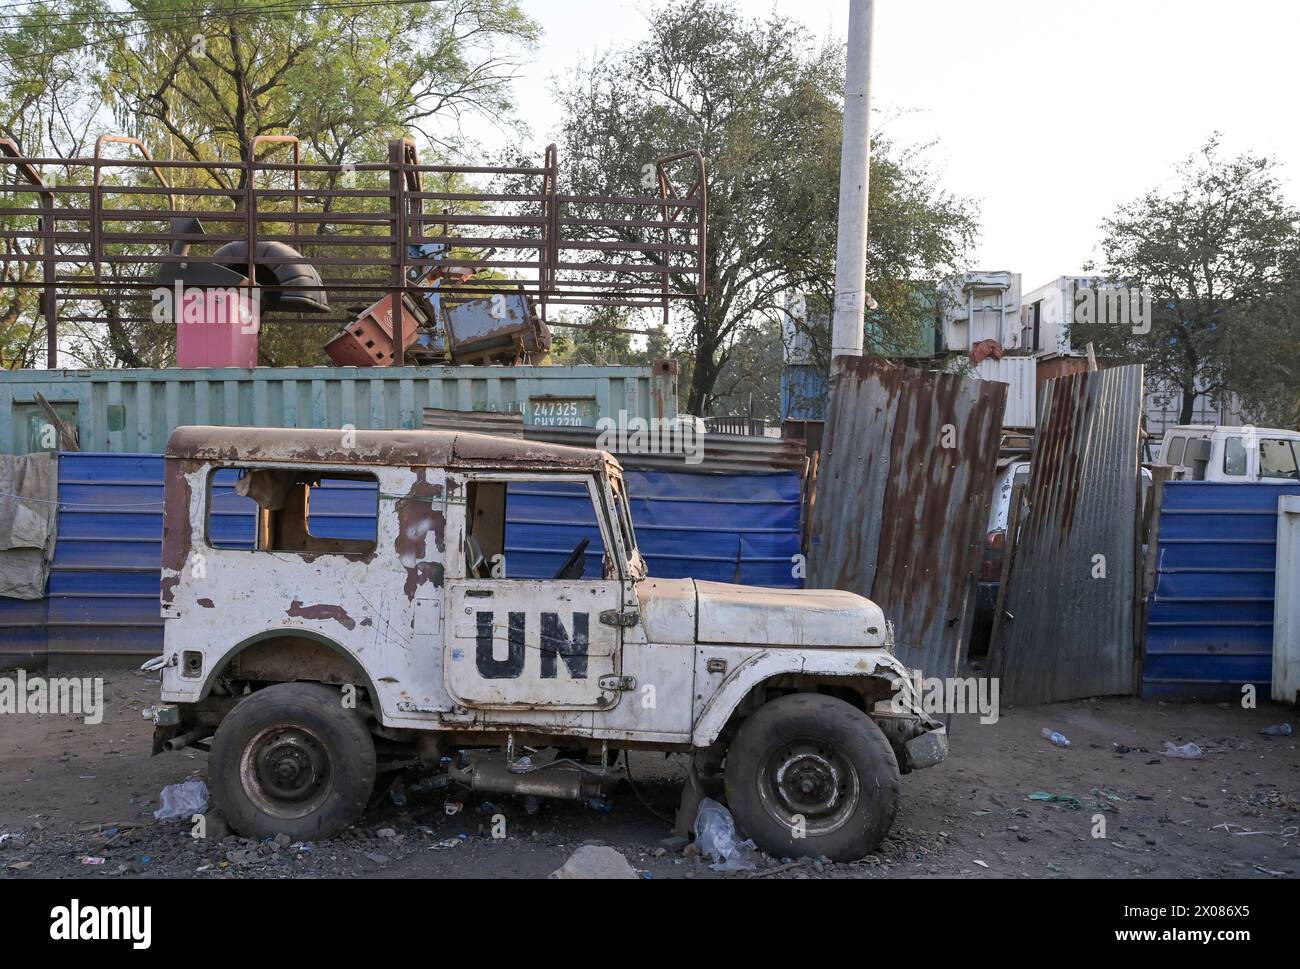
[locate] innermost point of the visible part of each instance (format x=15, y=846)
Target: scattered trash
x=1126, y=749
x=1277, y=730
x=20, y=865
x=600, y=804
x=183, y=800
x=715, y=833
x=1069, y=800
x=452, y=807
x=1060, y=739
x=449, y=843
x=488, y=807
x=90, y=860
x=1268, y=871
x=397, y=793
x=1187, y=751
x=435, y=783
x=595, y=861
x=982, y=864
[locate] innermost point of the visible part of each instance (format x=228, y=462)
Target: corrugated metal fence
x=1067, y=627
x=1210, y=622
x=903, y=496
x=103, y=589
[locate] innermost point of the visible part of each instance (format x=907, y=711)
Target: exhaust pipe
x=553, y=781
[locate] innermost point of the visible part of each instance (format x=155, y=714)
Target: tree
x=199, y=81
x=1218, y=253
x=764, y=106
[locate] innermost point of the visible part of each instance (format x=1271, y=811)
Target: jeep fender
x=216, y=664
x=769, y=663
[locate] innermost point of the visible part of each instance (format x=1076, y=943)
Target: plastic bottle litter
x=183, y=800
x=1060, y=739
x=397, y=793
x=1187, y=751
x=1277, y=730
x=715, y=832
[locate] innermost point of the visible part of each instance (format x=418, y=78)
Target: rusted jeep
x=308, y=648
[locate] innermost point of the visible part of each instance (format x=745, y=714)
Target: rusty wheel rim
x=808, y=787
x=286, y=771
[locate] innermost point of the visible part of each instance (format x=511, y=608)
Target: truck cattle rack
x=109, y=233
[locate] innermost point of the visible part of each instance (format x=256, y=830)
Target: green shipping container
x=134, y=411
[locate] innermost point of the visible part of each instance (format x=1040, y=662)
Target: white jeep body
x=424, y=624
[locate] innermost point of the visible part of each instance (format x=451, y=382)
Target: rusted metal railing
x=103, y=233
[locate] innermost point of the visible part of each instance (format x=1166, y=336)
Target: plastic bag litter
x=183, y=800
x=1188, y=751
x=715, y=832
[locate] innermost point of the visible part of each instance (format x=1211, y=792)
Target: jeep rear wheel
x=290, y=759
x=809, y=774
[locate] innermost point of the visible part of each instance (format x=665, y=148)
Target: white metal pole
x=851, y=240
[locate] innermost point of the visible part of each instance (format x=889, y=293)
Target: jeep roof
x=406, y=448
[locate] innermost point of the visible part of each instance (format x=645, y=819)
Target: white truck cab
x=308, y=659
x=1232, y=454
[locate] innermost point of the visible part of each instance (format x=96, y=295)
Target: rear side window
x=1177, y=445
x=292, y=510
x=1234, y=456
x=1277, y=459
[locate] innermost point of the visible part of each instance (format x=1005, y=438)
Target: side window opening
x=292, y=510
x=1176, y=447
x=1234, y=456
x=531, y=530
x=1277, y=459
x=485, y=530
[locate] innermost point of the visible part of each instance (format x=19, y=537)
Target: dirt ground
x=71, y=792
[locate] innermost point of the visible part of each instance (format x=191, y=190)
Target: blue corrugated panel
x=103, y=590
x=803, y=393
x=1210, y=622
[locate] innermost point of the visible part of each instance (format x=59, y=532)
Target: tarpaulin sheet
x=28, y=489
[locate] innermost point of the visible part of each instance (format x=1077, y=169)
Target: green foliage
x=201, y=80
x=1219, y=252
x=763, y=103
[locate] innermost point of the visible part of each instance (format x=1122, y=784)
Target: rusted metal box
x=500, y=328
x=368, y=341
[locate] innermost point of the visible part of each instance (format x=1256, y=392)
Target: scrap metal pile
x=417, y=263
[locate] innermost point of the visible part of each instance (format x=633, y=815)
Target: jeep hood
x=690, y=611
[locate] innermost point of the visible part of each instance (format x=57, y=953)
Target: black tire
x=815, y=756
x=290, y=759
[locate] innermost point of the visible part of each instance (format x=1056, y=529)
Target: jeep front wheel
x=290, y=759
x=811, y=775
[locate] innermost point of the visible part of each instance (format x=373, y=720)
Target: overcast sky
x=1048, y=112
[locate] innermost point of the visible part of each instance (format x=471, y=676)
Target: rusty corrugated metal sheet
x=1066, y=631
x=722, y=453
x=902, y=499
